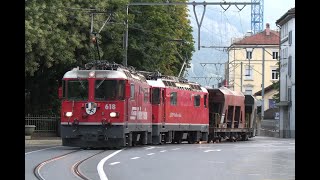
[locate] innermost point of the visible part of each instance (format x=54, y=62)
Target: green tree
x=57, y=38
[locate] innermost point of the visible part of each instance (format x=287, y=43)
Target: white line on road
x=291, y=143
x=175, y=149
x=216, y=162
x=204, y=147
x=212, y=150
x=150, y=154
x=135, y=158
x=111, y=164
x=163, y=151
x=253, y=174
x=151, y=147
x=103, y=175
x=40, y=150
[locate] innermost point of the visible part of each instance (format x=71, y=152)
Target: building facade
x=287, y=74
x=251, y=59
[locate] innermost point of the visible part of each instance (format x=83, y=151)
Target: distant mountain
x=217, y=29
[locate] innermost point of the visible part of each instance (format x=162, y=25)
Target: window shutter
x=289, y=65
x=290, y=38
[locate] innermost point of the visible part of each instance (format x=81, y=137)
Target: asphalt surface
x=260, y=158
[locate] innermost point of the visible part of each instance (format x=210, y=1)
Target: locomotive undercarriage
x=97, y=136
x=232, y=135
x=178, y=133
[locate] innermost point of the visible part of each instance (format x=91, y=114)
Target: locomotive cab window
x=77, y=89
x=132, y=91
x=109, y=89
x=196, y=100
x=173, y=98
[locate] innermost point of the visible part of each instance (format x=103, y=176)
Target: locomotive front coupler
x=75, y=125
x=106, y=124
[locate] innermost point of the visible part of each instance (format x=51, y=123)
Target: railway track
x=75, y=167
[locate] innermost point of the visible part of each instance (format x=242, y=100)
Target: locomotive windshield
x=77, y=89
x=109, y=89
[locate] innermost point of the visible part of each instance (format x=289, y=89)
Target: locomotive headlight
x=68, y=114
x=114, y=114
x=91, y=74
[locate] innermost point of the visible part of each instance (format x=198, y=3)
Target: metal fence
x=44, y=123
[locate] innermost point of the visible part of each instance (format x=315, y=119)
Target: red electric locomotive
x=179, y=110
x=105, y=105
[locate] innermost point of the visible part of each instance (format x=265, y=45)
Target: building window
x=248, y=91
x=249, y=55
x=274, y=55
x=289, y=65
x=248, y=73
x=274, y=74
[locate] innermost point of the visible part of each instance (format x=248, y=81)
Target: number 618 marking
x=110, y=106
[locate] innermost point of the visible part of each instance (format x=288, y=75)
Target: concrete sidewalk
x=44, y=141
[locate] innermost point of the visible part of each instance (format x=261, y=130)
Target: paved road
x=260, y=158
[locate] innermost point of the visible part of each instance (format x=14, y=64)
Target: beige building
x=246, y=57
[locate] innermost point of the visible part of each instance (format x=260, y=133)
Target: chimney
x=268, y=29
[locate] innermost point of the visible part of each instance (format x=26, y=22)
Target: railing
x=44, y=123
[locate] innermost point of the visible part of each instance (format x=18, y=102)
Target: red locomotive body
x=115, y=106
x=179, y=110
x=227, y=115
x=105, y=108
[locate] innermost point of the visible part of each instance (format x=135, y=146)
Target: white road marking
x=150, y=154
x=253, y=174
x=103, y=175
x=135, y=158
x=151, y=147
x=204, y=147
x=40, y=150
x=216, y=162
x=292, y=143
x=175, y=149
x=111, y=164
x=163, y=151
x=212, y=150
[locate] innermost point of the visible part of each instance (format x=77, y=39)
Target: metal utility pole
x=125, y=60
x=241, y=78
x=262, y=91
